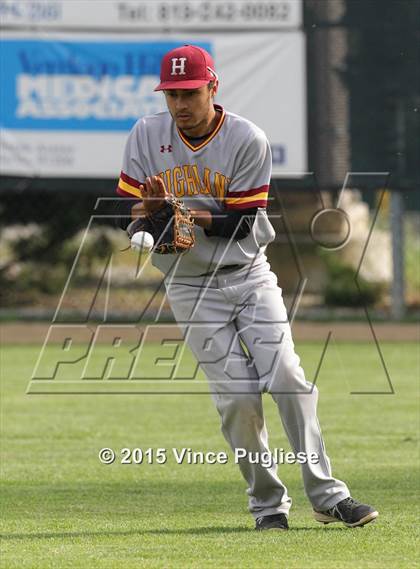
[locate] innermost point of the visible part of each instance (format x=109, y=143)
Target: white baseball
x=142, y=241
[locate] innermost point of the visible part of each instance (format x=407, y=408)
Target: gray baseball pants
x=236, y=325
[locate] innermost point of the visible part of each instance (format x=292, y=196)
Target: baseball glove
x=171, y=226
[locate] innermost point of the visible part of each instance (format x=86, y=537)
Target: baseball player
x=222, y=292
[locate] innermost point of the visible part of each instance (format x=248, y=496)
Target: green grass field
x=62, y=508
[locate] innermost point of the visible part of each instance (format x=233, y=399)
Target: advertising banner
x=69, y=100
x=115, y=15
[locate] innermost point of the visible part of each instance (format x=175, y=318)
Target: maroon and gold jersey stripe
x=256, y=197
x=128, y=186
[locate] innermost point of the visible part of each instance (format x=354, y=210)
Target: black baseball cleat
x=350, y=512
x=274, y=522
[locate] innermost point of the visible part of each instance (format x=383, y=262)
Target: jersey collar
x=211, y=134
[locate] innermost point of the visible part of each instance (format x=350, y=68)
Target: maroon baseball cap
x=186, y=67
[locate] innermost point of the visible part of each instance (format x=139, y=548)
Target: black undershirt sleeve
x=235, y=222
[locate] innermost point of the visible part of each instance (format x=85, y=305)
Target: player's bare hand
x=153, y=193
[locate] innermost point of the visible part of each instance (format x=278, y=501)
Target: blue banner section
x=80, y=86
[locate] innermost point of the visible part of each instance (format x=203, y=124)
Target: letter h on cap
x=178, y=66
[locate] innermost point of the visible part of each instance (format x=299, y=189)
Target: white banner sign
x=69, y=101
x=178, y=14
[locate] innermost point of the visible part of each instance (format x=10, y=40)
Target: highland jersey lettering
x=184, y=181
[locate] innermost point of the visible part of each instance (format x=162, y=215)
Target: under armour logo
x=164, y=148
x=178, y=68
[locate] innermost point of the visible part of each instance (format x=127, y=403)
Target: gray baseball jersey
x=230, y=169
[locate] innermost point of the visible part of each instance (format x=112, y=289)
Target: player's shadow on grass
x=162, y=531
